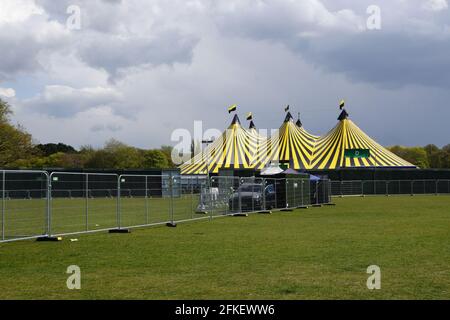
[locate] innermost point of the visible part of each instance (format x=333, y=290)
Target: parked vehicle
x=252, y=197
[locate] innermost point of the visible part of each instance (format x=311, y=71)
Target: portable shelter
x=236, y=148
x=330, y=149
x=293, y=146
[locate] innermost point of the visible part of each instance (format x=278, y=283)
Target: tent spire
x=288, y=117
x=236, y=120
x=252, y=125
x=343, y=115
x=299, y=123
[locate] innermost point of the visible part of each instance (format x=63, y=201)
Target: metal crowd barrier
x=389, y=187
x=36, y=204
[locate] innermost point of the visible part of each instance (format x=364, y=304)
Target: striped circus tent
x=329, y=150
x=293, y=146
x=239, y=148
x=236, y=148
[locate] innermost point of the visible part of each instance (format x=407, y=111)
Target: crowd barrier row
x=389, y=187
x=36, y=204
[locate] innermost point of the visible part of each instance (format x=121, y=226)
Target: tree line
x=430, y=156
x=18, y=150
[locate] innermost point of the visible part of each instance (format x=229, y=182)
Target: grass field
x=304, y=254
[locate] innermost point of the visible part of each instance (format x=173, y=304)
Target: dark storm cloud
x=112, y=53
x=411, y=49
x=388, y=60
x=17, y=54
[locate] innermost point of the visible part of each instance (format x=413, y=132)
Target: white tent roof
x=271, y=170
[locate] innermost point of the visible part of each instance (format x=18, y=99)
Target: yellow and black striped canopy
x=238, y=148
x=329, y=150
x=293, y=146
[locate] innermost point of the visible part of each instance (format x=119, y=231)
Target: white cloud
x=7, y=92
x=16, y=11
x=436, y=5
x=272, y=19
x=63, y=101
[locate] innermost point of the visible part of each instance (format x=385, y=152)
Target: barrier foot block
x=240, y=215
x=119, y=231
x=49, y=239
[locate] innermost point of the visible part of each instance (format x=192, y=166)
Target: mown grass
x=319, y=253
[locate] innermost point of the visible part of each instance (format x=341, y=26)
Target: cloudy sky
x=136, y=70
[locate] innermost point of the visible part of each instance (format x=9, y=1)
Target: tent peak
x=252, y=125
x=236, y=120
x=343, y=115
x=299, y=122
x=288, y=117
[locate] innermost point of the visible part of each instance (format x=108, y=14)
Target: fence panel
x=419, y=187
x=252, y=194
x=443, y=186
x=430, y=186
x=145, y=200
x=393, y=187
x=390, y=187
x=275, y=196
x=186, y=197
x=24, y=208
x=223, y=196
x=324, y=189
x=82, y=202
x=301, y=192
x=405, y=187
x=291, y=187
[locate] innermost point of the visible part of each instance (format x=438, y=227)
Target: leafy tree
x=167, y=151
x=15, y=143
x=115, y=155
x=154, y=159
x=445, y=156
x=415, y=155
x=5, y=111
x=52, y=148
x=434, y=155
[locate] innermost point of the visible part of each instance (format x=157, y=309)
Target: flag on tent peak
x=232, y=108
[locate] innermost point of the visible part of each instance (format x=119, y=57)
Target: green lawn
x=305, y=254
